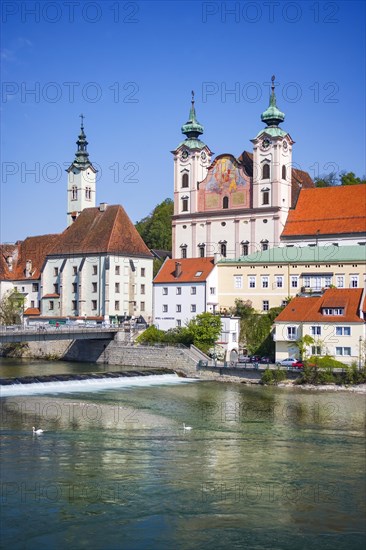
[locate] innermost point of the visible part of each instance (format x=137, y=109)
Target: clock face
x=266, y=143
x=185, y=154
x=284, y=145
x=203, y=155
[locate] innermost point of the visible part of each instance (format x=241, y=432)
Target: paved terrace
x=10, y=335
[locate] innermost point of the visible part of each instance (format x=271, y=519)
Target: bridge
x=15, y=334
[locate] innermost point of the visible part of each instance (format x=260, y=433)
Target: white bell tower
x=81, y=182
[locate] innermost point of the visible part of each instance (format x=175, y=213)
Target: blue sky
x=129, y=67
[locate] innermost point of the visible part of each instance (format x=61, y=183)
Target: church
x=230, y=206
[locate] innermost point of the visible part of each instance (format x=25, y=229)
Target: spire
x=272, y=116
x=82, y=156
x=192, y=128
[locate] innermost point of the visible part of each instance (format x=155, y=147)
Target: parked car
x=243, y=358
x=266, y=360
x=255, y=359
x=288, y=362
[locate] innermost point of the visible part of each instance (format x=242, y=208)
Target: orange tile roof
x=34, y=249
x=189, y=268
x=110, y=231
x=32, y=311
x=329, y=211
x=309, y=309
x=51, y=296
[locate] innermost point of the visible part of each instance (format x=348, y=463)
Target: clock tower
x=272, y=162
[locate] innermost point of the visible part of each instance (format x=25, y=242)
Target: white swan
x=37, y=431
x=186, y=427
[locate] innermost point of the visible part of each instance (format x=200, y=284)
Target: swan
x=186, y=427
x=37, y=431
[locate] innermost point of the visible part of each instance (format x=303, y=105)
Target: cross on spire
x=82, y=121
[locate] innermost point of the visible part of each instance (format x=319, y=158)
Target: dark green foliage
x=343, y=178
x=151, y=335
x=273, y=377
x=156, y=229
x=267, y=377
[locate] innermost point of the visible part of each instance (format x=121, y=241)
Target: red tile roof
x=34, y=249
x=32, y=311
x=299, y=178
x=51, y=296
x=328, y=211
x=110, y=231
x=309, y=309
x=189, y=268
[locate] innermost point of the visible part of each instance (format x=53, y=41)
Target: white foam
x=92, y=384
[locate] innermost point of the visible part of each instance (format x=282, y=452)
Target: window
x=265, y=175
x=327, y=281
x=75, y=270
x=88, y=193
x=74, y=193
x=245, y=248
x=223, y=249
x=55, y=271
x=212, y=290
x=185, y=204
x=238, y=281
x=116, y=288
x=354, y=281
x=74, y=305
x=74, y=287
x=316, y=330
x=343, y=351
x=52, y=305
x=306, y=281
x=142, y=272
x=142, y=306
x=35, y=287
x=184, y=251
x=279, y=281
x=198, y=273
x=265, y=281
x=283, y=172
x=94, y=287
x=251, y=281
x=179, y=290
x=340, y=281
x=294, y=281
x=333, y=311
x=142, y=289
x=55, y=288
x=179, y=308
x=165, y=290
x=116, y=305
x=95, y=270
x=94, y=305
x=316, y=350
x=32, y=303
x=165, y=308
x=193, y=290
x=343, y=331
x=265, y=197
x=264, y=245
x=201, y=251
x=193, y=308
x=179, y=323
x=117, y=270
x=291, y=333
x=265, y=305
x=185, y=180
x=225, y=202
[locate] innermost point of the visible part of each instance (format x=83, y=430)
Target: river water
x=261, y=468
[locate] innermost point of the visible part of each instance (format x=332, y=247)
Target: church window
x=201, y=250
x=283, y=172
x=223, y=249
x=245, y=248
x=225, y=202
x=264, y=244
x=185, y=181
x=265, y=175
x=74, y=193
x=184, y=204
x=184, y=251
x=265, y=197
x=88, y=193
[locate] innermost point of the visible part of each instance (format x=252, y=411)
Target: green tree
x=349, y=178
x=205, y=329
x=156, y=228
x=327, y=180
x=151, y=335
x=11, y=308
x=303, y=343
x=343, y=178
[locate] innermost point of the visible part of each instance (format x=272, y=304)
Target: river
x=115, y=469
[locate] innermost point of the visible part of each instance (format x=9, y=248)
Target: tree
x=349, y=178
x=156, y=228
x=11, y=308
x=303, y=343
x=327, y=180
x=343, y=178
x=205, y=329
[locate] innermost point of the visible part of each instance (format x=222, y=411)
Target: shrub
x=267, y=377
x=279, y=375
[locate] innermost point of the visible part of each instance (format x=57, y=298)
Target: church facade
x=231, y=206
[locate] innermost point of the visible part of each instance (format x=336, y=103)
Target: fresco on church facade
x=225, y=186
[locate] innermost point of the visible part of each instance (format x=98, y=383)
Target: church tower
x=272, y=161
x=81, y=182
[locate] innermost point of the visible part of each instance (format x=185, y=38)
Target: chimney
x=103, y=206
x=28, y=268
x=178, y=270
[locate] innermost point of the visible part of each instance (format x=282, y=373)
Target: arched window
x=264, y=244
x=185, y=204
x=283, y=172
x=74, y=193
x=265, y=175
x=223, y=248
x=185, y=180
x=88, y=193
x=201, y=250
x=225, y=202
x=183, y=249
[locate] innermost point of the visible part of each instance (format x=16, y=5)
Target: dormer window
x=185, y=180
x=265, y=172
x=333, y=311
